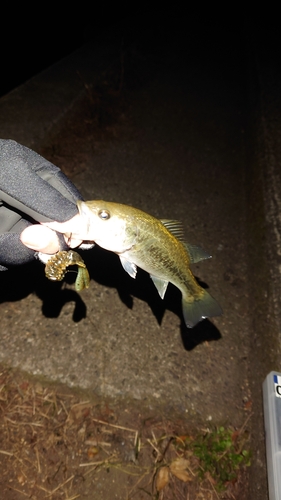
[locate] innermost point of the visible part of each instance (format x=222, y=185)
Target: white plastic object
x=272, y=422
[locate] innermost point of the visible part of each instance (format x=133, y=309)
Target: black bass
x=156, y=246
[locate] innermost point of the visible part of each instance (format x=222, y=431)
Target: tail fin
x=195, y=311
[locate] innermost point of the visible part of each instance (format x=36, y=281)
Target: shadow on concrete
x=104, y=268
x=19, y=282
x=24, y=280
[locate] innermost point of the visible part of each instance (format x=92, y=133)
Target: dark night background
x=31, y=42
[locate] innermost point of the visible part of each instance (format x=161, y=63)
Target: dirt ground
x=57, y=443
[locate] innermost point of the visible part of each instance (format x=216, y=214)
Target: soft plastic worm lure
x=56, y=268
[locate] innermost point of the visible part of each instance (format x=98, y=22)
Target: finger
x=75, y=228
x=40, y=238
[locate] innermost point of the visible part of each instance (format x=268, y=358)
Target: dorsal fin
x=195, y=253
x=175, y=227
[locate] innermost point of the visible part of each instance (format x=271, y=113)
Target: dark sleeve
x=13, y=252
x=34, y=186
x=31, y=190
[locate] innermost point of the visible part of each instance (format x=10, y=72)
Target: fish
x=155, y=245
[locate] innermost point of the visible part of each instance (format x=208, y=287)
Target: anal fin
x=160, y=284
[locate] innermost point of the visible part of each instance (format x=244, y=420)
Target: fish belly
x=165, y=265
x=168, y=264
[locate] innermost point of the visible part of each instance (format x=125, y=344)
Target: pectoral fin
x=161, y=285
x=129, y=267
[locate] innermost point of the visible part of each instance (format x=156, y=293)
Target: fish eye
x=104, y=214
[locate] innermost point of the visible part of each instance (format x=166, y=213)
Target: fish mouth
x=80, y=229
x=84, y=216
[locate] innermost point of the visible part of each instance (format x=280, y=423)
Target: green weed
x=220, y=453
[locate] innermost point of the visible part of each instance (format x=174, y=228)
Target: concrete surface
x=188, y=148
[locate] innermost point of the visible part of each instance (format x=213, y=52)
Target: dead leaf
x=162, y=478
x=82, y=432
x=178, y=468
x=78, y=412
x=92, y=451
x=21, y=479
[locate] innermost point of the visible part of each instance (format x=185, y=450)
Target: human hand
x=32, y=191
x=42, y=238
